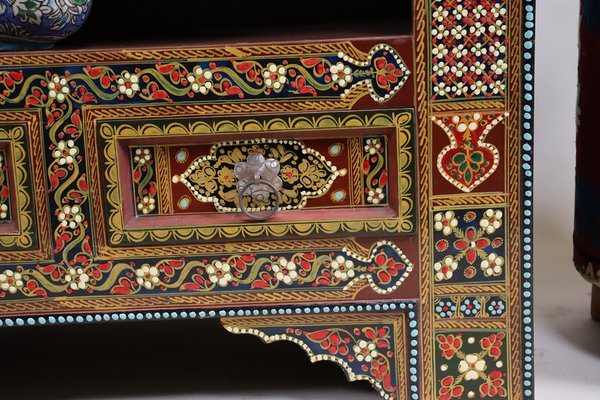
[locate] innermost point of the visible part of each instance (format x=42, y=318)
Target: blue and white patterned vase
x=39, y=24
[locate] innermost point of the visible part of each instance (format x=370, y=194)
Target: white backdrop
x=567, y=342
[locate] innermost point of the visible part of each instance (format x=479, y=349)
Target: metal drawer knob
x=258, y=178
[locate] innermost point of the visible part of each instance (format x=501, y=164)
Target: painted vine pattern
x=144, y=180
x=375, y=170
x=252, y=271
x=61, y=92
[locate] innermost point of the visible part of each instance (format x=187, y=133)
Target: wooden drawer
x=340, y=173
x=399, y=177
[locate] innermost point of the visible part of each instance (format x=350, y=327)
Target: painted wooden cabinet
x=363, y=191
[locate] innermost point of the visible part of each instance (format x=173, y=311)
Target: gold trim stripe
x=493, y=200
x=468, y=289
x=422, y=95
x=172, y=301
x=513, y=176
x=461, y=325
x=310, y=319
x=236, y=247
x=163, y=180
x=439, y=107
x=29, y=307
x=184, y=54
x=247, y=299
x=357, y=190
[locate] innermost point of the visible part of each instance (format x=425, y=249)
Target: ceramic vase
x=39, y=24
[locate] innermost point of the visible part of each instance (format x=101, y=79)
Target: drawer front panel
x=170, y=183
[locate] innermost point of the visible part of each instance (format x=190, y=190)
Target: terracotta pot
x=39, y=24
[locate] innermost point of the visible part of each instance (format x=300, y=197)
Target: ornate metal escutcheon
x=258, y=178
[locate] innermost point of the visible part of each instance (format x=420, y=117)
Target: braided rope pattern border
x=423, y=129
x=189, y=54
x=469, y=289
x=513, y=182
x=471, y=200
x=469, y=105
x=464, y=325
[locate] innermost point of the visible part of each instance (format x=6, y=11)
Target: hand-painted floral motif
x=444, y=270
x=475, y=367
x=285, y=271
x=491, y=221
x=468, y=161
x=371, y=349
x=492, y=266
x=341, y=74
x=4, y=189
x=220, y=273
x=375, y=170
x=469, y=245
x=365, y=350
x=384, y=74
x=65, y=152
x=466, y=307
x=496, y=307
x=67, y=176
x=147, y=276
x=128, y=84
x=304, y=174
x=343, y=268
x=59, y=95
x=468, y=49
x=144, y=180
x=11, y=281
x=77, y=278
x=200, y=80
x=70, y=217
x=58, y=88
x=385, y=270
x=470, y=307
x=445, y=309
x=445, y=222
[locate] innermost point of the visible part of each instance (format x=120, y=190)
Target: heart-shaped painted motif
x=468, y=161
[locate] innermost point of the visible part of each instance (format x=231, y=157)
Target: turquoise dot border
x=527, y=195
x=410, y=308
